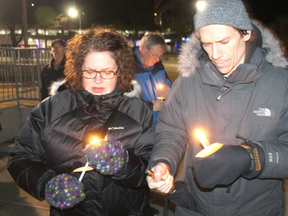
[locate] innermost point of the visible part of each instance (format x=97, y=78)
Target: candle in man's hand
x=160, y=86
x=208, y=149
x=203, y=140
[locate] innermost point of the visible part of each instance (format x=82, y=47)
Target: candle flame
x=106, y=137
x=161, y=86
x=200, y=135
x=95, y=141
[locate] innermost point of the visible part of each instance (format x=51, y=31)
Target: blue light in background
x=38, y=43
x=175, y=46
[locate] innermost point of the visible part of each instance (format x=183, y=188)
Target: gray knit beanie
x=224, y=12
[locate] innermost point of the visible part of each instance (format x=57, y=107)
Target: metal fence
x=20, y=70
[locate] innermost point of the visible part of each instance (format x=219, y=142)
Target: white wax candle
x=83, y=172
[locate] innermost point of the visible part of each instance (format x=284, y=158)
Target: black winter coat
x=50, y=75
x=55, y=134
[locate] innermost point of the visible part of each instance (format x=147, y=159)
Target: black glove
x=182, y=196
x=229, y=163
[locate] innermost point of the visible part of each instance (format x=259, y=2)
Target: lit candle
x=208, y=149
x=160, y=86
x=201, y=136
x=94, y=141
x=83, y=172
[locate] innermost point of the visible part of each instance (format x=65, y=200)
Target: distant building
x=163, y=10
x=37, y=36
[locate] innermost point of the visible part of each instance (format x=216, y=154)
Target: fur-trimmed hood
x=192, y=50
x=56, y=86
x=59, y=86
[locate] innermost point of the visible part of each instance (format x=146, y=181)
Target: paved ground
x=15, y=202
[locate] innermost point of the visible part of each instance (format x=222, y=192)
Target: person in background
x=98, y=74
x=233, y=88
x=150, y=72
x=54, y=71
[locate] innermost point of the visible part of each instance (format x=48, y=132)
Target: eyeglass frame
x=99, y=72
x=154, y=56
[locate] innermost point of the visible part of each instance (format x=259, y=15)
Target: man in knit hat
x=233, y=88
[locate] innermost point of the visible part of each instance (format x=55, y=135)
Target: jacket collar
x=59, y=85
x=243, y=74
x=101, y=106
x=106, y=102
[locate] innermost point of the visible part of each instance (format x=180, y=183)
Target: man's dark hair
x=58, y=41
x=242, y=32
x=98, y=40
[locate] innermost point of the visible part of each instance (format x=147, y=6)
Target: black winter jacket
x=50, y=75
x=55, y=134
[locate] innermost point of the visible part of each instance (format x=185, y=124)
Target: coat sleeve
x=171, y=136
x=276, y=151
x=133, y=174
x=27, y=164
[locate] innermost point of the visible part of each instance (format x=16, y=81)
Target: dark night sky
x=99, y=10
x=103, y=11
x=267, y=10
x=114, y=11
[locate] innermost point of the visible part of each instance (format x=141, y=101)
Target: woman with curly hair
x=98, y=70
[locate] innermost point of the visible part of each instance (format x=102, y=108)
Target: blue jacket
x=149, y=79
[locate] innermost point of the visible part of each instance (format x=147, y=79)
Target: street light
x=201, y=5
x=74, y=13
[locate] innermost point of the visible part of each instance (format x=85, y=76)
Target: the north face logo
x=263, y=112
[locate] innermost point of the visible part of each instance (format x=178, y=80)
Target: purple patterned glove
x=106, y=156
x=64, y=191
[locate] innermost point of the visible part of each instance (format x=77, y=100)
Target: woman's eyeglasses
x=91, y=74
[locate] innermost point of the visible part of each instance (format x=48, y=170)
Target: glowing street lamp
x=201, y=5
x=74, y=13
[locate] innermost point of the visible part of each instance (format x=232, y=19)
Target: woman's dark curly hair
x=99, y=40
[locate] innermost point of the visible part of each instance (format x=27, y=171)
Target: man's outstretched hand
x=164, y=181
